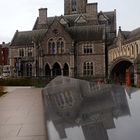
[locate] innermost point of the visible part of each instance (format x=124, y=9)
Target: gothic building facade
x=124, y=57
x=74, y=44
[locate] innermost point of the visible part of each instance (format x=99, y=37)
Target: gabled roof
x=80, y=19
x=102, y=17
x=27, y=37
x=110, y=15
x=63, y=20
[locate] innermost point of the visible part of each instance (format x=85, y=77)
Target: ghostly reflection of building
x=73, y=102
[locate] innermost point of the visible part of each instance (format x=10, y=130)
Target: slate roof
x=131, y=35
x=27, y=37
x=87, y=33
x=125, y=34
x=71, y=20
x=134, y=33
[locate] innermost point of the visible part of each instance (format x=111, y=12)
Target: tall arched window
x=88, y=69
x=132, y=48
x=73, y=6
x=29, y=70
x=47, y=70
x=51, y=47
x=60, y=46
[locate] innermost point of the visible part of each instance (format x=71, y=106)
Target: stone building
x=123, y=57
x=4, y=56
x=4, y=53
x=74, y=44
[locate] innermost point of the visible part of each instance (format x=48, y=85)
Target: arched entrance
x=66, y=70
x=47, y=70
x=122, y=71
x=56, y=70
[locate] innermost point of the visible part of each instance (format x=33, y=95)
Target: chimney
x=91, y=9
x=42, y=16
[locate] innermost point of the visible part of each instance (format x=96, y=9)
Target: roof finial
x=120, y=28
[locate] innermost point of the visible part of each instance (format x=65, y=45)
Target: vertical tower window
x=73, y=5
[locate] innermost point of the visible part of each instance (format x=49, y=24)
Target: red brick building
x=4, y=53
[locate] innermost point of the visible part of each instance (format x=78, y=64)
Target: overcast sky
x=21, y=14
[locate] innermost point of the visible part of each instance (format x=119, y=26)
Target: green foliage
x=34, y=81
x=16, y=82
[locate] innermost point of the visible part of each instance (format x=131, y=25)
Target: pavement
x=22, y=115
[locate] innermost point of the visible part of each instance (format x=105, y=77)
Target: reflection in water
x=75, y=103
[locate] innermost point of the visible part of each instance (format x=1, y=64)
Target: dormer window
x=73, y=5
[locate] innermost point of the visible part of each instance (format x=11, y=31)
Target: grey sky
x=21, y=14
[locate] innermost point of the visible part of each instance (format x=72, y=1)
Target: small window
x=88, y=48
x=21, y=52
x=29, y=52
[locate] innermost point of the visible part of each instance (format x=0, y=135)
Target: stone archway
x=56, y=70
x=47, y=70
x=119, y=70
x=66, y=70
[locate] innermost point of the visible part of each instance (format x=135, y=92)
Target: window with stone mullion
x=88, y=69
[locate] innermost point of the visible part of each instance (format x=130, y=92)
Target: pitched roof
x=85, y=33
x=134, y=33
x=125, y=34
x=110, y=16
x=27, y=37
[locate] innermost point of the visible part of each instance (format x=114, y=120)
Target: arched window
x=73, y=5
x=88, y=69
x=56, y=47
x=51, y=47
x=60, y=46
x=136, y=46
x=29, y=70
x=132, y=48
x=47, y=70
